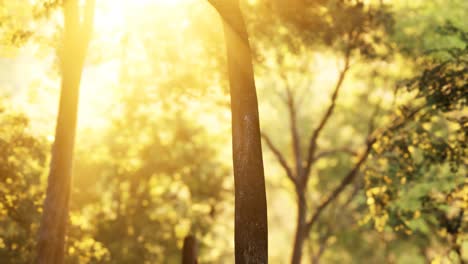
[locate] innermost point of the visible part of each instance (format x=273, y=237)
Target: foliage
x=417, y=183
x=153, y=146
x=154, y=193
x=22, y=162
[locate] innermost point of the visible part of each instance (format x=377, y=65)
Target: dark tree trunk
x=51, y=240
x=190, y=250
x=251, y=231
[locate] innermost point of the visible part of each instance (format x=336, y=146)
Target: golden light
x=115, y=19
x=101, y=85
x=112, y=14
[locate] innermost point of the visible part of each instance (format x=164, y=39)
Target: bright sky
x=37, y=87
x=21, y=74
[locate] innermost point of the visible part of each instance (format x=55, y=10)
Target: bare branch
x=351, y=197
x=372, y=120
x=323, y=246
x=280, y=96
x=331, y=152
x=371, y=139
x=304, y=94
x=296, y=141
x=326, y=116
x=323, y=239
x=396, y=123
x=279, y=157
x=339, y=189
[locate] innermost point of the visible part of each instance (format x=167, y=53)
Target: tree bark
x=251, y=231
x=300, y=229
x=189, y=251
x=51, y=237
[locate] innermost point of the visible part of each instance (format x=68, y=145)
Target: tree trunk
x=251, y=231
x=51, y=240
x=189, y=251
x=300, y=229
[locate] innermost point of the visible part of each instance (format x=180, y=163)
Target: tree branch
x=371, y=139
x=351, y=197
x=339, y=189
x=323, y=246
x=331, y=152
x=279, y=157
x=372, y=119
x=296, y=141
x=397, y=122
x=315, y=135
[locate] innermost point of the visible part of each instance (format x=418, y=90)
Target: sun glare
x=113, y=19
x=110, y=14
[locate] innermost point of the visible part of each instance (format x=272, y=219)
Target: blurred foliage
x=418, y=183
x=340, y=25
x=22, y=163
x=152, y=159
x=419, y=22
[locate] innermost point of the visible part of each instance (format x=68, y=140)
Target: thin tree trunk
x=189, y=251
x=51, y=240
x=251, y=231
x=300, y=230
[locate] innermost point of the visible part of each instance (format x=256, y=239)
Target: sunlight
x=114, y=20
x=181, y=148
x=112, y=14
